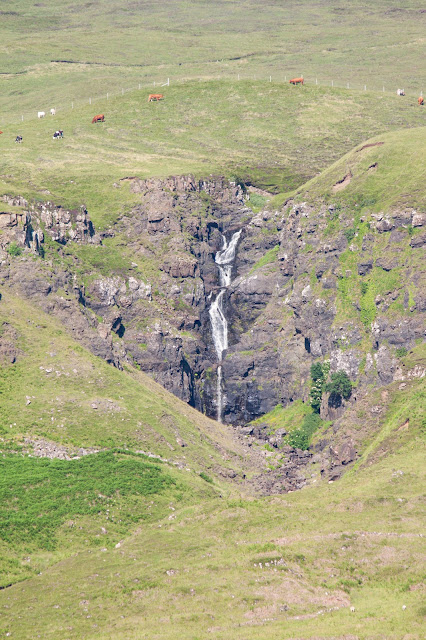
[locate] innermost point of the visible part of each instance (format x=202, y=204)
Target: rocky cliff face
x=310, y=281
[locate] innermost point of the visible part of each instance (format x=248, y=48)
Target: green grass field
x=278, y=136
x=127, y=42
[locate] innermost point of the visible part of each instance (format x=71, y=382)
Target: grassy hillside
x=127, y=41
x=57, y=390
x=114, y=544
x=58, y=400
x=276, y=135
x=280, y=567
x=381, y=173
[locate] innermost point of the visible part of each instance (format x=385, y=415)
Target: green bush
x=301, y=438
x=316, y=371
x=340, y=385
x=364, y=288
x=350, y=234
x=14, y=250
x=401, y=352
x=319, y=373
x=205, y=477
x=257, y=201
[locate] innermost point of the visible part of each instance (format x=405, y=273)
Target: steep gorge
x=310, y=280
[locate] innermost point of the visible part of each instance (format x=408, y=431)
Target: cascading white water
x=224, y=259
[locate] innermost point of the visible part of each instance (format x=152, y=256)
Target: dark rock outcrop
x=289, y=303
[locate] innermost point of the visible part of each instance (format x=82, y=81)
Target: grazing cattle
x=53, y=112
x=41, y=114
x=18, y=139
x=99, y=118
x=400, y=92
x=153, y=97
x=296, y=81
x=1, y=132
x=58, y=134
x=421, y=100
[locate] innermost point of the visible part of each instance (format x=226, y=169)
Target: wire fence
x=157, y=85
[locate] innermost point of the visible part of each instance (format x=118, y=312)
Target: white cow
x=53, y=112
x=41, y=114
x=400, y=92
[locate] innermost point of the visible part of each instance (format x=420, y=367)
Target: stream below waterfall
x=224, y=259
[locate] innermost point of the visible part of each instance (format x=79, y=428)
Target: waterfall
x=224, y=260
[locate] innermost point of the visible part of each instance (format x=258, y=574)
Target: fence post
x=270, y=78
x=154, y=83
x=383, y=89
x=365, y=87
x=347, y=86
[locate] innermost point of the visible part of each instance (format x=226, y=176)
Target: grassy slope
x=63, y=381
x=275, y=134
x=374, y=45
x=359, y=545
x=57, y=392
x=383, y=177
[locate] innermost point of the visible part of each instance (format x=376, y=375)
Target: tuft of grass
x=206, y=477
x=288, y=418
x=269, y=258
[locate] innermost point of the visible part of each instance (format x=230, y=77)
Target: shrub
x=401, y=352
x=319, y=373
x=316, y=371
x=205, y=477
x=301, y=438
x=14, y=250
x=364, y=288
x=349, y=234
x=257, y=201
x=340, y=385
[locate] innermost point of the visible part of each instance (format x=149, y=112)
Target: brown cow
x=153, y=97
x=99, y=118
x=296, y=81
x=421, y=100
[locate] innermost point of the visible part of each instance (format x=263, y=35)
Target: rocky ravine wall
x=285, y=304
